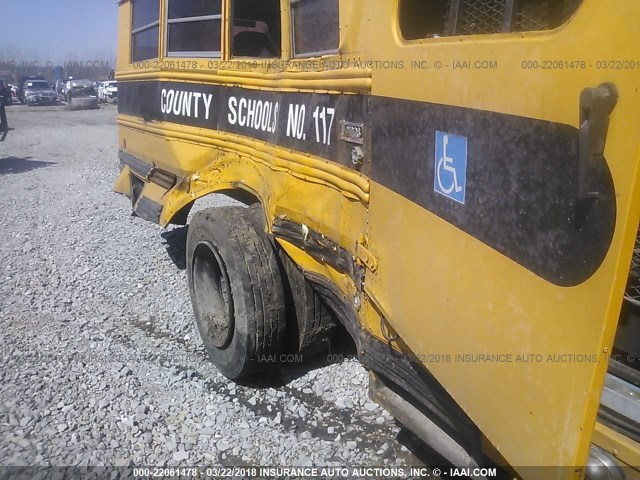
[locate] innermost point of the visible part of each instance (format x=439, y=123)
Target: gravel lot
x=101, y=360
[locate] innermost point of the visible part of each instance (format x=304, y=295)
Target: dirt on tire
x=257, y=296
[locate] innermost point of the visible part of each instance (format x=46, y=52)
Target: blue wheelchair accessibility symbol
x=450, y=178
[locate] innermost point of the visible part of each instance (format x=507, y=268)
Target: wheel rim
x=213, y=295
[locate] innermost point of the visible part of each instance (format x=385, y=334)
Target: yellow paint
x=123, y=184
x=626, y=450
x=441, y=290
x=342, y=81
x=279, y=158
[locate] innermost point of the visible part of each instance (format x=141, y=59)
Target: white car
x=108, y=91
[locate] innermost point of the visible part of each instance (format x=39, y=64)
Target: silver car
x=39, y=92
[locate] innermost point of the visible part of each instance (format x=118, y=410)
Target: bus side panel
x=512, y=267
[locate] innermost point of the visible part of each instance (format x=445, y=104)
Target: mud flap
x=146, y=198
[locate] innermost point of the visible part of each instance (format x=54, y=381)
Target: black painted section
x=521, y=184
x=148, y=210
x=144, y=99
x=315, y=244
x=521, y=172
x=139, y=167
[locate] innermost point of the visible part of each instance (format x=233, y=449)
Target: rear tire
x=310, y=323
x=236, y=290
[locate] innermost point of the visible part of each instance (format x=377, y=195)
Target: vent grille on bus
x=632, y=294
x=533, y=15
x=481, y=17
x=476, y=17
x=436, y=18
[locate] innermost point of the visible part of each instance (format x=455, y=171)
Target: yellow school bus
x=455, y=181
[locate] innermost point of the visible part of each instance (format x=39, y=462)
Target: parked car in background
x=108, y=91
x=20, y=93
x=79, y=88
x=5, y=93
x=80, y=94
x=39, y=92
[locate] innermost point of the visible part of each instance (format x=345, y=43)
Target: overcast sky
x=52, y=30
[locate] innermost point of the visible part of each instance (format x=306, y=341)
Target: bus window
x=144, y=29
x=543, y=15
x=423, y=19
x=256, y=28
x=194, y=28
x=435, y=18
x=315, y=27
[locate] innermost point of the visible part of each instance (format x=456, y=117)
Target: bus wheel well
x=239, y=195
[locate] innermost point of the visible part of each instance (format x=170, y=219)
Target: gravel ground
x=101, y=361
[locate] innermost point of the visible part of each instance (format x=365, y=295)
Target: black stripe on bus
x=521, y=184
x=144, y=99
x=521, y=172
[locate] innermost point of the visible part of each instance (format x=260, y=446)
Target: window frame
x=195, y=54
x=282, y=33
x=509, y=20
x=292, y=25
x=141, y=29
